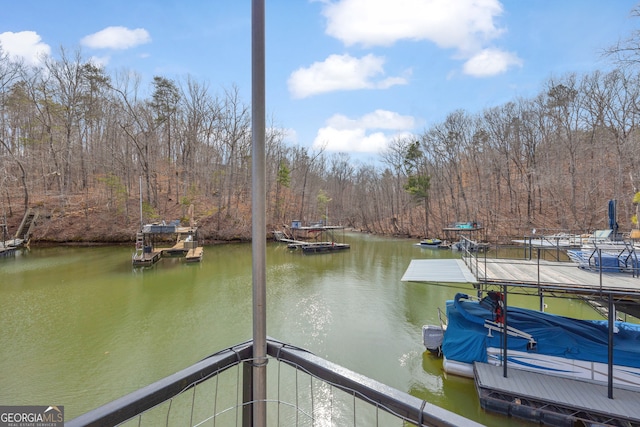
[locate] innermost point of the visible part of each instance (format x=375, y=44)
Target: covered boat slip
x=540, y=397
x=185, y=244
x=314, y=239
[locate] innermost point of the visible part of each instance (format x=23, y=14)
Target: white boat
x=537, y=341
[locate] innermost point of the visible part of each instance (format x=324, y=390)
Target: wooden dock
x=322, y=247
x=7, y=251
x=179, y=249
x=195, y=254
x=312, y=245
x=146, y=259
x=185, y=245
x=552, y=400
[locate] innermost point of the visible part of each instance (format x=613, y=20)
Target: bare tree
x=626, y=52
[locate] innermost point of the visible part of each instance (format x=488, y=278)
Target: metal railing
x=303, y=390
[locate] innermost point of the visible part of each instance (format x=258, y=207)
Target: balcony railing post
x=247, y=394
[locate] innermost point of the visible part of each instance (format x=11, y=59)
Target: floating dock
x=7, y=251
x=552, y=400
x=177, y=250
x=195, y=254
x=8, y=247
x=146, y=259
x=321, y=247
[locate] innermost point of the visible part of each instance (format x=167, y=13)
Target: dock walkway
x=554, y=400
x=548, y=276
x=552, y=273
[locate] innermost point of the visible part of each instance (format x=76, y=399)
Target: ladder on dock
x=139, y=246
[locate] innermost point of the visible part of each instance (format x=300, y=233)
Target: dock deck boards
x=571, y=394
x=147, y=258
x=194, y=254
x=548, y=274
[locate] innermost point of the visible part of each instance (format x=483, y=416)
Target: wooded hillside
x=80, y=143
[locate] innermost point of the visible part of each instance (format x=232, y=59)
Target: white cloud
x=466, y=26
x=24, y=45
x=290, y=135
x=341, y=72
x=116, y=38
x=489, y=62
x=370, y=133
x=100, y=61
x=459, y=24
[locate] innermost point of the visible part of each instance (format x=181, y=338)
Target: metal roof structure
x=439, y=271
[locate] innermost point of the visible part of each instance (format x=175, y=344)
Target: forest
x=97, y=157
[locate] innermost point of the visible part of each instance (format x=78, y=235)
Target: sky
x=344, y=76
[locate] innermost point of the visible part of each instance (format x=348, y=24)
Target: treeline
x=75, y=138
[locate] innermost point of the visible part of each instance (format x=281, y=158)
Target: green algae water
x=82, y=327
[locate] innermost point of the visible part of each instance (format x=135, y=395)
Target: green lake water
x=81, y=327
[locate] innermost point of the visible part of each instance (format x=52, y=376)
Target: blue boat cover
x=466, y=339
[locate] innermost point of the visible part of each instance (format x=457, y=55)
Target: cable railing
x=302, y=390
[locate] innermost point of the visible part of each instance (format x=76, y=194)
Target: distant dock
x=186, y=245
x=319, y=247
x=9, y=246
x=314, y=239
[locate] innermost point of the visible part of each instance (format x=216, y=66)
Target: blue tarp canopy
x=613, y=222
x=466, y=339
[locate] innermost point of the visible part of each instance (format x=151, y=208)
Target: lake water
x=81, y=327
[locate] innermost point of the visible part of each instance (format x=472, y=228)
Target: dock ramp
x=438, y=271
x=26, y=226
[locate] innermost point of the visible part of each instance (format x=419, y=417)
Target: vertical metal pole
x=600, y=266
x=258, y=212
x=612, y=318
x=141, y=220
x=539, y=289
x=504, y=330
x=541, y=295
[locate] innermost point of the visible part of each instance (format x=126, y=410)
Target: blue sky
x=347, y=75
